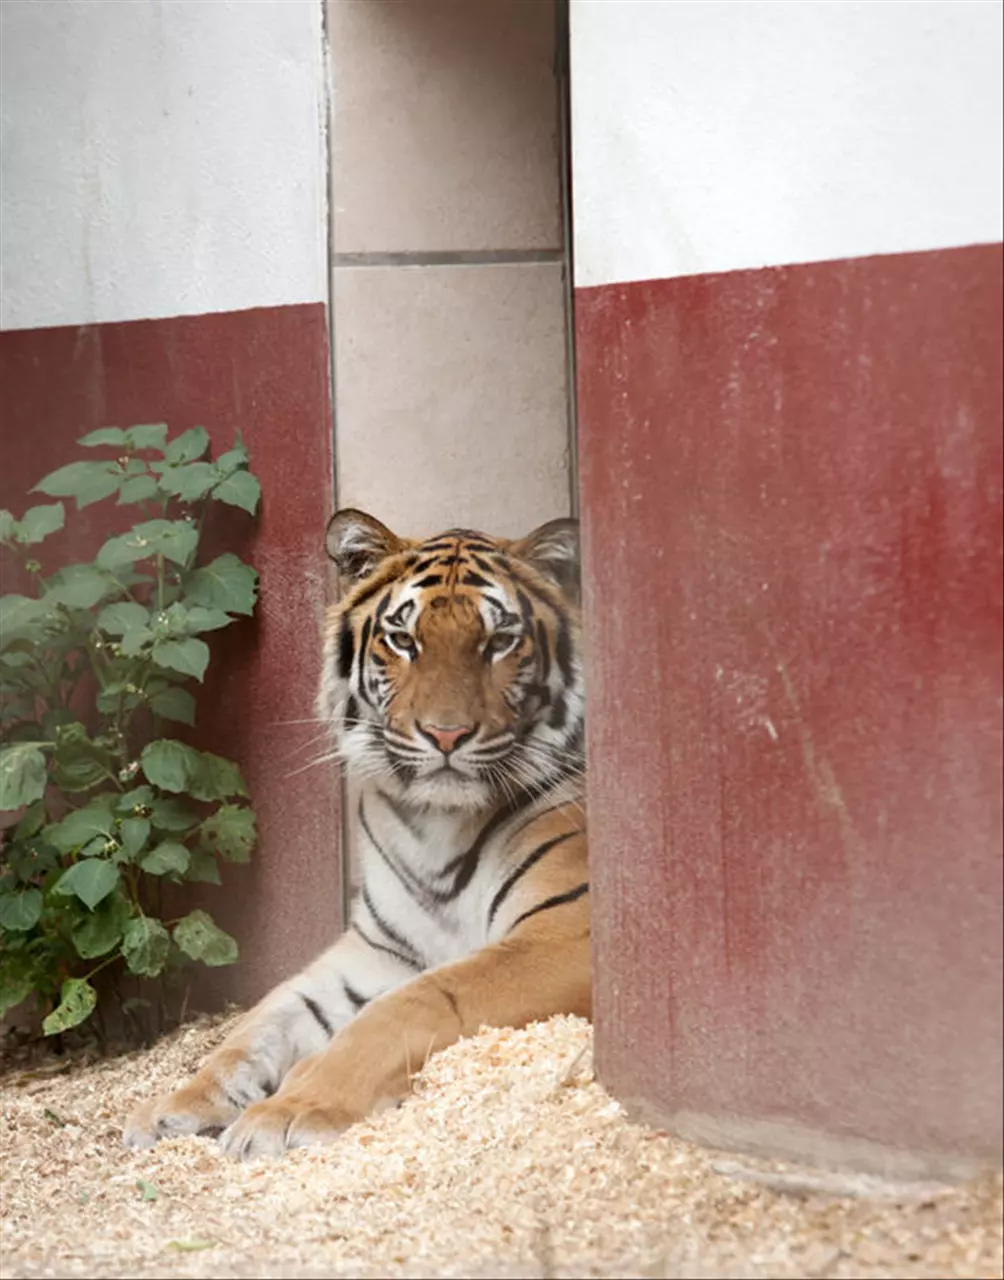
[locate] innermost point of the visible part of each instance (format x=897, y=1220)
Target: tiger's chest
x=432, y=877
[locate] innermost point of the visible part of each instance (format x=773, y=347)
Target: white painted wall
x=159, y=158
x=717, y=136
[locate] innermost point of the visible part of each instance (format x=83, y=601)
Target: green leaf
x=240, y=489
x=8, y=526
x=100, y=930
x=174, y=704
x=203, y=868
x=95, y=847
x=226, y=584
x=32, y=822
x=148, y=435
x=169, y=858
x=20, y=910
x=145, y=946
x=104, y=435
x=232, y=459
x=191, y=481
x=13, y=991
x=147, y=1190
x=86, y=481
x=22, y=775
x=78, y=827
x=20, y=616
x=134, y=833
x=170, y=765
x=137, y=489
x=77, y=1001
x=80, y=586
x=199, y=937
x=231, y=832
x=38, y=522
x=190, y=657
x=90, y=881
x=78, y=775
x=188, y=446
x=173, y=539
x=141, y=797
x=134, y=642
x=172, y=815
x=201, y=619
x=216, y=779
x=125, y=616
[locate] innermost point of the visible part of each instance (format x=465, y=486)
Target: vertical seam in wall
x=344, y=856
x=563, y=78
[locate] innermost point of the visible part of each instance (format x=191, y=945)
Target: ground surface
x=509, y=1161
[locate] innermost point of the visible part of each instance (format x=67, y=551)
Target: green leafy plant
x=99, y=803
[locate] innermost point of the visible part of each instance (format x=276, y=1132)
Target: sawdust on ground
x=508, y=1161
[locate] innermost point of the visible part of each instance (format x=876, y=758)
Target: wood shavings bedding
x=508, y=1161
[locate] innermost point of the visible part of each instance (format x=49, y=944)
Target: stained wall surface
x=788, y=324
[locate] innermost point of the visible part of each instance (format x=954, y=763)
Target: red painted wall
x=791, y=496
x=265, y=372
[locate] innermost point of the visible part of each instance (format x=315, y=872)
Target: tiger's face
x=452, y=672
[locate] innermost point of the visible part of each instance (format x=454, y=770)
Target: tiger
x=452, y=683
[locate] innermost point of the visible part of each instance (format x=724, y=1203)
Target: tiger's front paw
x=185, y=1112
x=269, y=1128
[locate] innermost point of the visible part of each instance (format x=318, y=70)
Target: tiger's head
x=452, y=669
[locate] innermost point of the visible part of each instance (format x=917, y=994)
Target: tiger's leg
x=541, y=968
x=295, y=1020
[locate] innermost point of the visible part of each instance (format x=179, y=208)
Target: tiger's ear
x=553, y=550
x=358, y=542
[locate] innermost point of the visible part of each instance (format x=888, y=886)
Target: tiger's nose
x=447, y=737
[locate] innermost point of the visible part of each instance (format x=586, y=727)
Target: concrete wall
x=164, y=258
x=448, y=288
x=788, y=329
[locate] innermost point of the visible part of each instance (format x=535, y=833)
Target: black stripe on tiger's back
x=430, y=580
x=318, y=1013
x=472, y=579
x=529, y=861
x=390, y=933
x=354, y=998
x=346, y=650
x=558, y=900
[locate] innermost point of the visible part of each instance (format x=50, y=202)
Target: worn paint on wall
x=791, y=493
x=159, y=159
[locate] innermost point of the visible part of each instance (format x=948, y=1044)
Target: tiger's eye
x=402, y=641
x=499, y=644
